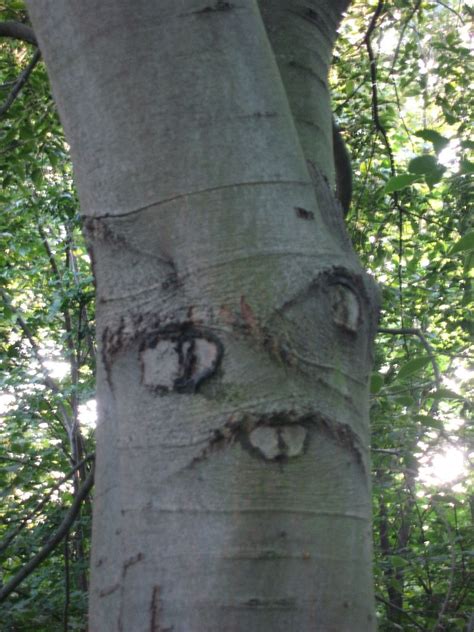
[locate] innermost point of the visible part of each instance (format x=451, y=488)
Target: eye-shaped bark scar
x=344, y=306
x=179, y=359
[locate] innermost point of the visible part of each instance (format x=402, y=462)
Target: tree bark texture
x=234, y=321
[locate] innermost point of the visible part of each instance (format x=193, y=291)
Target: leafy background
x=401, y=81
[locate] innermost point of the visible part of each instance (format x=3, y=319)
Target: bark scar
x=303, y=213
x=179, y=358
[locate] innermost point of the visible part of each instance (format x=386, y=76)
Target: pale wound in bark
x=278, y=442
x=179, y=359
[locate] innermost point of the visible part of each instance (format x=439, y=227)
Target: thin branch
x=387, y=451
x=424, y=342
x=456, y=13
x=67, y=586
x=54, y=540
x=402, y=33
x=20, y=82
x=383, y=134
x=14, y=459
x=438, y=627
x=24, y=521
x=373, y=77
x=48, y=381
x=74, y=371
x=19, y=31
x=72, y=262
x=392, y=605
x=49, y=252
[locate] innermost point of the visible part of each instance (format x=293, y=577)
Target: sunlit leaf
x=465, y=243
x=439, y=142
x=397, y=183
x=423, y=164
x=376, y=383
x=413, y=366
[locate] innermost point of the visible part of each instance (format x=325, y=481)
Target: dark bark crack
x=220, y=5
x=156, y=612
x=303, y=213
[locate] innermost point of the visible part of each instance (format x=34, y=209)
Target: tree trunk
x=234, y=322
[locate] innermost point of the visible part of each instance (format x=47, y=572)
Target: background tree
x=412, y=231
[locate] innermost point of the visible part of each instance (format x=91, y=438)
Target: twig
x=392, y=605
x=67, y=587
x=383, y=134
x=48, y=381
x=439, y=625
x=73, y=364
x=20, y=82
x=53, y=542
x=23, y=522
x=387, y=451
x=402, y=33
x=456, y=13
x=424, y=342
x=373, y=77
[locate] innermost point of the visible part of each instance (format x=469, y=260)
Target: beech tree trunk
x=234, y=321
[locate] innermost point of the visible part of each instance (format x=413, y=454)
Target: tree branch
x=20, y=82
x=52, y=543
x=17, y=30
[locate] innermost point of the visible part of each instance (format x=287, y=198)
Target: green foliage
x=411, y=222
x=46, y=324
x=412, y=225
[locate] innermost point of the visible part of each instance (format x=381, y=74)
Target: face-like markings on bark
x=277, y=442
x=179, y=359
x=345, y=307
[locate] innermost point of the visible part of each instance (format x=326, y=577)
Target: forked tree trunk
x=234, y=321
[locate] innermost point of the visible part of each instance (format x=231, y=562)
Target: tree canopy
x=401, y=81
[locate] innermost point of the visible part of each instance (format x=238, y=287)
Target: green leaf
x=423, y=164
x=446, y=393
x=398, y=561
x=439, y=142
x=430, y=422
x=397, y=183
x=405, y=400
x=413, y=366
x=467, y=167
x=37, y=177
x=376, y=383
x=435, y=176
x=465, y=243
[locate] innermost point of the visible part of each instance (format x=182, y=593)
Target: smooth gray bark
x=234, y=321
